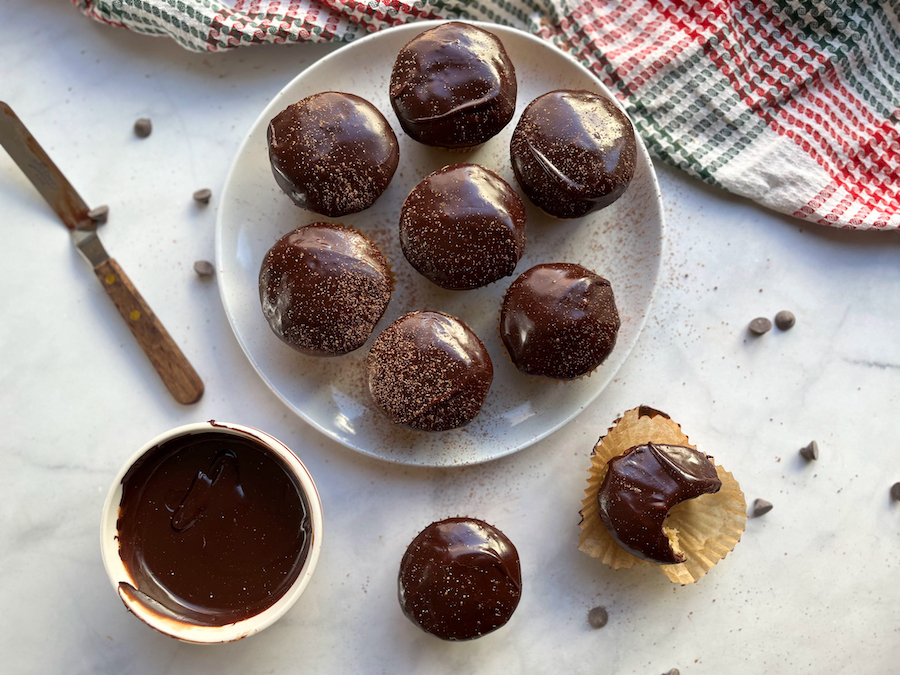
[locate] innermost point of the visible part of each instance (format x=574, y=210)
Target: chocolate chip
x=760, y=325
x=204, y=268
x=203, y=195
x=674, y=671
x=895, y=492
x=785, y=320
x=760, y=508
x=811, y=452
x=99, y=214
x=598, y=617
x=143, y=127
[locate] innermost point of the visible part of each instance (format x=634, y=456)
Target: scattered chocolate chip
x=895, y=492
x=598, y=617
x=99, y=214
x=203, y=196
x=760, y=325
x=760, y=508
x=785, y=320
x=204, y=268
x=811, y=452
x=143, y=127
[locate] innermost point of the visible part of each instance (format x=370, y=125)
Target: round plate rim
x=415, y=28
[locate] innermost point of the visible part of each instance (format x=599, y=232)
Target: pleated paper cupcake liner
x=707, y=528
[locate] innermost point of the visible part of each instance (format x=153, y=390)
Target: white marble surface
x=812, y=586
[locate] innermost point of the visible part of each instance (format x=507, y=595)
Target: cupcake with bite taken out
x=653, y=498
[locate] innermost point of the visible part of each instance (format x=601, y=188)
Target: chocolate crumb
x=647, y=411
x=598, y=617
x=760, y=325
x=203, y=196
x=811, y=452
x=204, y=268
x=143, y=127
x=99, y=214
x=895, y=492
x=760, y=508
x=785, y=320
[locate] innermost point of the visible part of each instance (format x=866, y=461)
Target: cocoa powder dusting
x=323, y=287
x=429, y=371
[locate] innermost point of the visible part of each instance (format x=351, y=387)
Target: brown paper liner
x=708, y=527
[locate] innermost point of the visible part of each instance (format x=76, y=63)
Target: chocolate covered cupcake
x=559, y=320
x=463, y=227
x=429, y=371
x=655, y=499
x=453, y=86
x=323, y=287
x=642, y=486
x=460, y=579
x=573, y=152
x=332, y=153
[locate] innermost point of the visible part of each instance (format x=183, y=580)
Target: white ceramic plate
x=622, y=242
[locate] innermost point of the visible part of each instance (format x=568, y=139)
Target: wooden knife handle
x=175, y=370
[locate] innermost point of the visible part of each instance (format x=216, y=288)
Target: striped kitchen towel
x=792, y=103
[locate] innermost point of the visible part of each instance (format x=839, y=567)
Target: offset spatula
x=176, y=372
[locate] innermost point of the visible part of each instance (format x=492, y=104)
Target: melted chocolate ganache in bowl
x=213, y=529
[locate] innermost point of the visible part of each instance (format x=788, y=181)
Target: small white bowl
x=182, y=629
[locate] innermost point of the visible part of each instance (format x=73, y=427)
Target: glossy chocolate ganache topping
x=460, y=579
x=642, y=486
x=453, y=86
x=429, y=371
x=332, y=153
x=573, y=152
x=212, y=529
x=463, y=227
x=559, y=320
x=323, y=287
